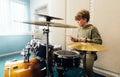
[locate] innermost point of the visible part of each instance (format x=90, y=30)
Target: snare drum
x=66, y=59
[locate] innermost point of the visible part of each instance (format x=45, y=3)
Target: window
x=12, y=11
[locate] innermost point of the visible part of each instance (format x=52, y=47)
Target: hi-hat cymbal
x=87, y=46
x=50, y=17
x=51, y=24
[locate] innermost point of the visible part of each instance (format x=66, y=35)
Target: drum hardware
x=33, y=45
x=46, y=31
x=26, y=53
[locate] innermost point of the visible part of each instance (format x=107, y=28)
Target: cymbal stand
x=46, y=31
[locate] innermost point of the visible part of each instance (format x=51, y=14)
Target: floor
x=105, y=73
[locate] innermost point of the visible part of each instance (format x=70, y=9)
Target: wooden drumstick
x=69, y=35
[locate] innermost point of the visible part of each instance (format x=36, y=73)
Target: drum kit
x=47, y=56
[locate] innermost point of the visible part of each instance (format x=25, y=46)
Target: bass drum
x=20, y=69
x=66, y=59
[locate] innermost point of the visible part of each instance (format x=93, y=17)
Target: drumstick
x=69, y=35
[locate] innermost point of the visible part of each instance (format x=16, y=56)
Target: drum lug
x=43, y=69
x=15, y=67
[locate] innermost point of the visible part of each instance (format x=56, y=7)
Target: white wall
x=57, y=9
x=106, y=18
x=72, y=7
x=35, y=4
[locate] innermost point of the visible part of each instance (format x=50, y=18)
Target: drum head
x=64, y=54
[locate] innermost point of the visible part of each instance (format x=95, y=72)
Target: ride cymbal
x=38, y=23
x=87, y=46
x=51, y=24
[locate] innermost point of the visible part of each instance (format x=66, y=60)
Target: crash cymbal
x=87, y=46
x=49, y=17
x=51, y=24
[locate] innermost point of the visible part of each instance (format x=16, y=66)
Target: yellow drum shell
x=21, y=69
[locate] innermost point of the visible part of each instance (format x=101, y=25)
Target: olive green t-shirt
x=91, y=32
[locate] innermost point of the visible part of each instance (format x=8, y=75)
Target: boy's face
x=82, y=22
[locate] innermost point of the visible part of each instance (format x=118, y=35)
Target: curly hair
x=83, y=14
